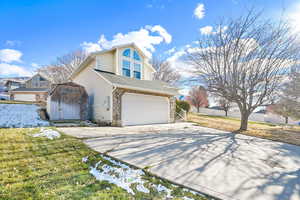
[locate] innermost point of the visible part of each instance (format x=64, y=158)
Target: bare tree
x=198, y=97
x=62, y=68
x=291, y=95
x=165, y=72
x=245, y=61
x=281, y=108
x=57, y=74
x=225, y=105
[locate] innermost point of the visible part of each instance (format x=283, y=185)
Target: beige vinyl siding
x=106, y=62
x=148, y=72
x=100, y=94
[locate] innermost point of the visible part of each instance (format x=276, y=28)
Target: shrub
x=182, y=105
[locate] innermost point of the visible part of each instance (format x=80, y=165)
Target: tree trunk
x=198, y=109
x=286, y=120
x=244, y=121
x=226, y=113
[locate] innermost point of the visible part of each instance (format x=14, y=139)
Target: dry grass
x=287, y=134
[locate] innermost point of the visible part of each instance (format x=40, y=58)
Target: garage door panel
x=24, y=97
x=138, y=109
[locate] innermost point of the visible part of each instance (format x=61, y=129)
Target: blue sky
x=35, y=32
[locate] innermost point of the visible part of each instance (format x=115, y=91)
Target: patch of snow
x=20, y=116
x=142, y=188
x=85, y=159
x=161, y=188
x=48, y=133
x=122, y=176
x=187, y=198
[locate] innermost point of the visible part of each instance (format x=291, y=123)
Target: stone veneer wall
x=117, y=104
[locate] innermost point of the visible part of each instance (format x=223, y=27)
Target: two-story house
x=34, y=89
x=121, y=90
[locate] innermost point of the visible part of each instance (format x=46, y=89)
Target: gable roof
x=42, y=75
x=136, y=84
x=93, y=55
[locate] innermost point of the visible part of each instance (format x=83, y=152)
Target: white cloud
x=13, y=70
x=162, y=32
x=146, y=38
x=10, y=55
x=293, y=17
x=176, y=62
x=149, y=6
x=12, y=43
x=35, y=65
x=91, y=47
x=170, y=51
x=206, y=30
x=199, y=11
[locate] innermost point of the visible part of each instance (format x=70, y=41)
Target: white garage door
x=24, y=97
x=140, y=109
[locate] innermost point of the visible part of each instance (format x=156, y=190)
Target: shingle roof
x=22, y=89
x=145, y=85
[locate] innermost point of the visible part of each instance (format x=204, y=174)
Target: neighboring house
x=13, y=84
x=121, y=90
x=34, y=89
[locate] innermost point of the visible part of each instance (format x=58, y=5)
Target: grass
x=39, y=168
x=287, y=134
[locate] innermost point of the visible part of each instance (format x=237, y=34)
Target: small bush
x=182, y=105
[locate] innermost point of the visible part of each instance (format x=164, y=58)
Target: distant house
x=119, y=83
x=13, y=84
x=34, y=89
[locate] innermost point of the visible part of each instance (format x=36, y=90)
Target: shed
x=67, y=101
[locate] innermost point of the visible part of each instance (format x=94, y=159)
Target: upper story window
x=136, y=56
x=127, y=53
x=131, y=64
x=137, y=71
x=42, y=79
x=126, y=68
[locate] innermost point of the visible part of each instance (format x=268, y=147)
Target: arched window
x=131, y=63
x=126, y=53
x=136, y=56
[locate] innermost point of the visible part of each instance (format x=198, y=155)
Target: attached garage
x=139, y=109
x=24, y=97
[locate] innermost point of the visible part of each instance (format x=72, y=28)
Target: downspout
x=111, y=103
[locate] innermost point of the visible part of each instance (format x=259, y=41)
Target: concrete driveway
x=222, y=164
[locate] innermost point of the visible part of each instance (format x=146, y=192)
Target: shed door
x=140, y=109
x=24, y=97
x=65, y=111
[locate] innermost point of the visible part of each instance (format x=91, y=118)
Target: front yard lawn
x=62, y=168
x=287, y=134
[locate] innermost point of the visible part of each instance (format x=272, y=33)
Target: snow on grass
x=85, y=159
x=161, y=188
x=129, y=179
x=121, y=175
x=187, y=198
x=48, y=133
x=20, y=116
